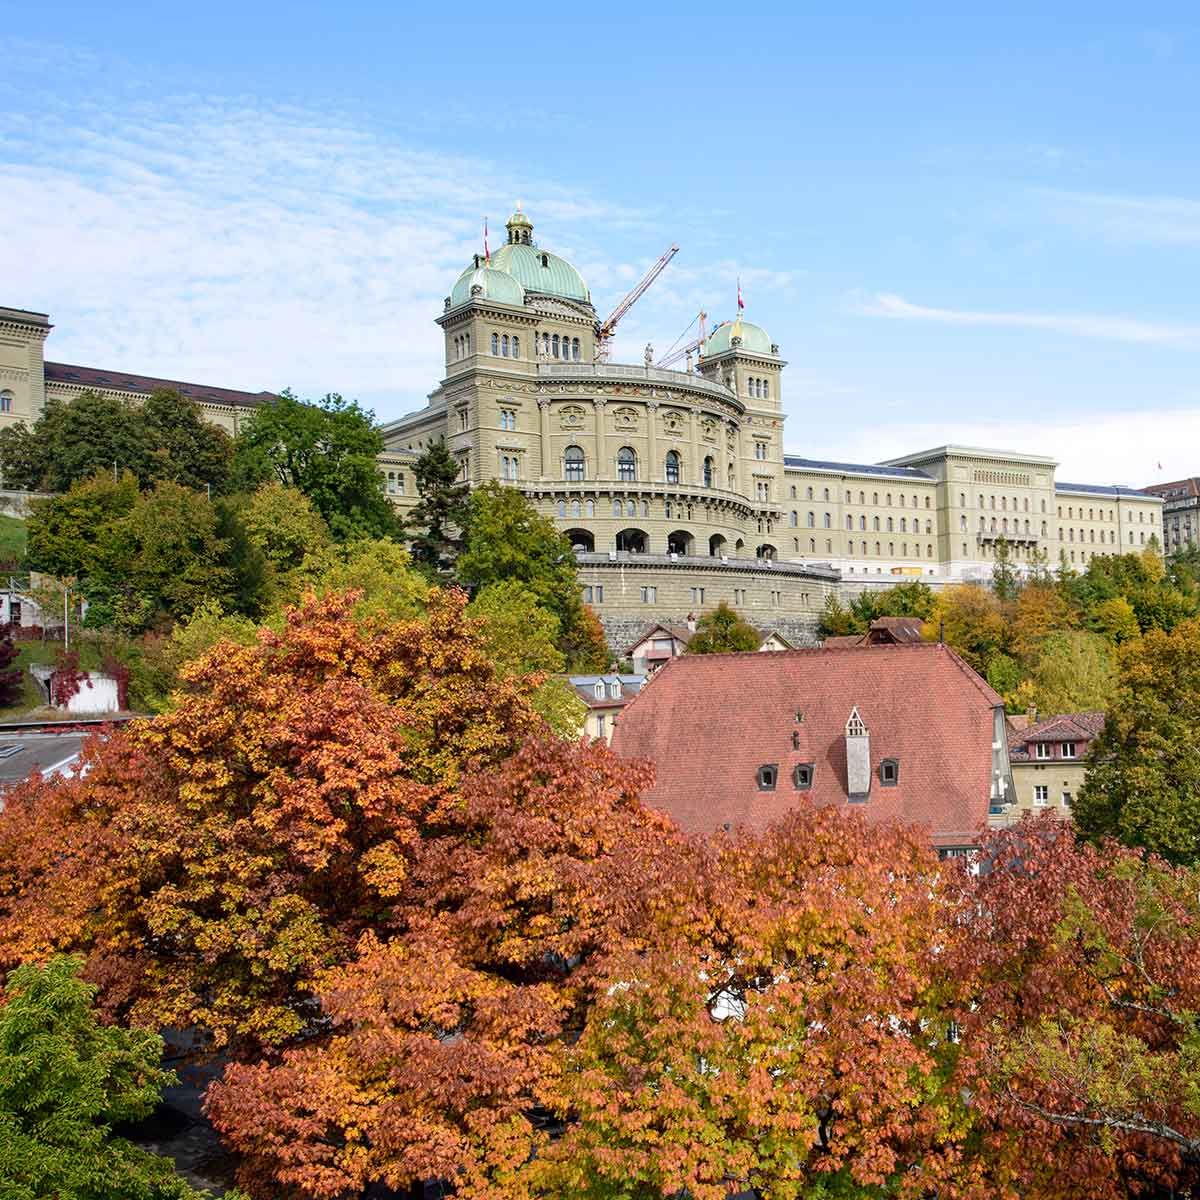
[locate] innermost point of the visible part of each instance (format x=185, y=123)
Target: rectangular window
x=1068, y=749
x=462, y=419
x=1043, y=750
x=593, y=594
x=649, y=595
x=1066, y=798
x=1041, y=794
x=391, y=483
x=600, y=720
x=739, y=596
x=697, y=595
x=760, y=450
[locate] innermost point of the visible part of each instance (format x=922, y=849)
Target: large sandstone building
x=674, y=486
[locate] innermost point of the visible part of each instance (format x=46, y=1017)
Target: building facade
x=1048, y=765
x=673, y=486
x=1181, y=513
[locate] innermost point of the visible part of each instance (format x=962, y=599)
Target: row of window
x=461, y=346
x=760, y=389
x=1016, y=502
x=1046, y=749
x=803, y=774
x=505, y=347
x=1041, y=796
x=862, y=497
x=563, y=347
x=827, y=522
x=395, y=483
x=575, y=466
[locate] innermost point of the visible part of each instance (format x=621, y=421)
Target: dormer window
x=614, y=690
x=802, y=777
x=545, y=260
x=599, y=689
x=1043, y=750
x=1068, y=749
x=889, y=772
x=768, y=774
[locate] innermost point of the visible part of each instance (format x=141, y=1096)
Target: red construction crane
x=605, y=331
x=695, y=344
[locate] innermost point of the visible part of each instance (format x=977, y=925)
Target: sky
x=961, y=223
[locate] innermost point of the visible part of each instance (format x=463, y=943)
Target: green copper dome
x=538, y=270
x=497, y=286
x=754, y=338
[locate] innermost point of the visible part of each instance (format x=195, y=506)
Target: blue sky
x=959, y=225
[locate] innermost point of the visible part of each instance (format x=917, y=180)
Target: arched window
x=672, y=465
x=626, y=465
x=794, y=519
x=862, y=522
x=545, y=343
x=826, y=493
x=495, y=343
x=573, y=464
x=575, y=349
x=875, y=524
x=504, y=346
x=828, y=520
x=812, y=520
x=554, y=345
x=562, y=505
x=766, y=389
x=6, y=401
x=617, y=510
x=590, y=508
x=576, y=508
x=516, y=346
x=708, y=473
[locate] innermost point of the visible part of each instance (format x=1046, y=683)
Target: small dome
x=754, y=338
x=497, y=286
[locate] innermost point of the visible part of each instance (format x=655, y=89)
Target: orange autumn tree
x=794, y=1043
x=212, y=864
x=1082, y=1049
x=450, y=1025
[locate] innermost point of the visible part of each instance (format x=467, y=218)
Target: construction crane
x=605, y=331
x=691, y=348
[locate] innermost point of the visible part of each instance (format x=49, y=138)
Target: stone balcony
x=624, y=373
x=707, y=563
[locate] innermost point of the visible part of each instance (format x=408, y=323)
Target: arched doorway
x=632, y=541
x=766, y=551
x=581, y=539
x=739, y=546
x=716, y=545
x=679, y=542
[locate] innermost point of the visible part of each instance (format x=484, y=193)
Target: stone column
x=652, y=469
x=697, y=472
x=544, y=424
x=601, y=452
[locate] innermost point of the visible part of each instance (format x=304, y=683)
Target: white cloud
x=1124, y=447
x=1155, y=220
x=1119, y=329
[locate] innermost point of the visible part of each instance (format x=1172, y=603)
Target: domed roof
x=494, y=285
x=524, y=267
x=754, y=338
x=538, y=270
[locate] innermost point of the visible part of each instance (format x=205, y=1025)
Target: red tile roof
x=708, y=722
x=1067, y=727
x=120, y=381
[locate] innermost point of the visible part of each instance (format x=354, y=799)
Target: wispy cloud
x=1149, y=220
x=1118, y=329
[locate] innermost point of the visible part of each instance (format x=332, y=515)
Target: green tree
x=186, y=448
x=1143, y=782
x=912, y=599
x=1073, y=671
x=437, y=524
x=251, y=577
x=167, y=437
x=839, y=621
x=1004, y=575
x=1115, y=620
x=63, y=531
x=723, y=631
x=282, y=522
x=972, y=619
x=327, y=451
x=509, y=540
x=1004, y=674
x=378, y=568
x=65, y=1081
x=521, y=638
x=162, y=560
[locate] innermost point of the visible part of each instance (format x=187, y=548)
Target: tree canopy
x=165, y=438
x=722, y=631
x=325, y=450
x=436, y=527
x=65, y=1081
